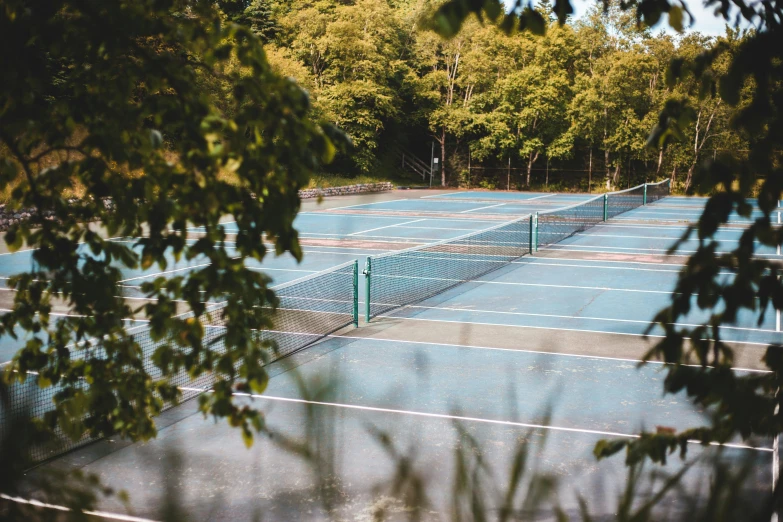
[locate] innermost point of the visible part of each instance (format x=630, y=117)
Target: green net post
x=530, y=236
x=606, y=206
x=644, y=201
x=367, y=272
x=535, y=231
x=356, y=293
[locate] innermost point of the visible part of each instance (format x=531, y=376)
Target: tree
x=165, y=116
x=258, y=16
x=353, y=52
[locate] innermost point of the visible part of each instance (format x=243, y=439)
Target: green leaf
x=675, y=18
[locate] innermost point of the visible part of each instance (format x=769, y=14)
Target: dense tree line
x=582, y=97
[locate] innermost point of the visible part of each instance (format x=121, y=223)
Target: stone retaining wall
x=348, y=189
x=10, y=217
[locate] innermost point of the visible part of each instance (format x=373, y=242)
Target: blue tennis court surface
x=542, y=353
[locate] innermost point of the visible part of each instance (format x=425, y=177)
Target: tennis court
x=498, y=316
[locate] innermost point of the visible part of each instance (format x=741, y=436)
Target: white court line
x=443, y=228
x=578, y=330
x=440, y=195
x=510, y=283
x=387, y=226
x=481, y=208
x=58, y=314
x=99, y=514
x=514, y=350
x=655, y=227
x=428, y=218
x=254, y=268
x=662, y=238
x=611, y=267
x=666, y=210
x=468, y=419
x=541, y=197
x=528, y=351
x=635, y=269
x=605, y=261
x=317, y=235
x=664, y=251
x=326, y=210
x=574, y=317
x=155, y=274
x=325, y=213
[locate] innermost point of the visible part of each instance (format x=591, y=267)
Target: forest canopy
x=582, y=98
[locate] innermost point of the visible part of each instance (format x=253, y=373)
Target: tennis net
x=554, y=226
x=398, y=279
x=656, y=191
x=307, y=310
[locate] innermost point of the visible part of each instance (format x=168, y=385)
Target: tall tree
x=166, y=117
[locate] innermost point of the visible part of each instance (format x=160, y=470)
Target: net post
x=530, y=236
x=535, y=231
x=644, y=201
x=367, y=272
x=356, y=293
x=606, y=206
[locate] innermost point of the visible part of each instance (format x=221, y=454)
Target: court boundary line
x=672, y=239
x=558, y=245
x=537, y=352
x=574, y=317
x=365, y=204
x=493, y=348
x=544, y=196
x=657, y=336
x=381, y=228
x=543, y=285
x=453, y=417
x=56, y=507
x=481, y=208
x=609, y=224
x=440, y=228
x=434, y=218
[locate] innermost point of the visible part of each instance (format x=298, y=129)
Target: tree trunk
x=689, y=176
x=546, y=183
x=616, y=175
x=468, y=167
x=674, y=175
x=660, y=161
x=590, y=173
x=508, y=174
x=443, y=157
x=530, y=160
x=608, y=171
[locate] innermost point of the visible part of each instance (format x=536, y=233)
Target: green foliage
x=258, y=16
x=176, y=117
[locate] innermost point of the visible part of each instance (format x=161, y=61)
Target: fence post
x=367, y=272
x=606, y=206
x=356, y=293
